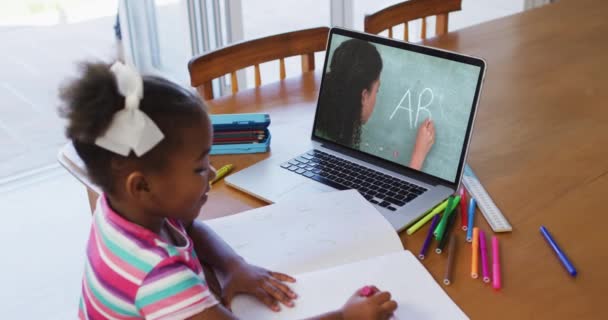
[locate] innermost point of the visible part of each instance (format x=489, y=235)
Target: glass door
x=158, y=37
x=161, y=36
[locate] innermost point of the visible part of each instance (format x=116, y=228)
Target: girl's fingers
x=282, y=277
x=267, y=299
x=381, y=297
x=389, y=306
x=277, y=294
x=283, y=287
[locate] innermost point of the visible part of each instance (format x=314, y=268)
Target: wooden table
x=539, y=147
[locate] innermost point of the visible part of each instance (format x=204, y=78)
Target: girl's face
x=368, y=101
x=181, y=189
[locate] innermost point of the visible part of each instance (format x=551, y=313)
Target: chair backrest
x=407, y=11
x=228, y=60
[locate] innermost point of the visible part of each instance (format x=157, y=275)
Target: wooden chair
x=405, y=12
x=228, y=60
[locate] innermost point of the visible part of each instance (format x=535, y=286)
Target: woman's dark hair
x=90, y=102
x=354, y=66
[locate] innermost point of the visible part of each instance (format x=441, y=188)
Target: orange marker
x=475, y=254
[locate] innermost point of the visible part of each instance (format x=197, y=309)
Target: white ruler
x=486, y=205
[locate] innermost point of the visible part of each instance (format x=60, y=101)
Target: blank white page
x=311, y=233
x=416, y=292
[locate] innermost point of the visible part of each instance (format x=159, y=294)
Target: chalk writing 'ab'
x=419, y=108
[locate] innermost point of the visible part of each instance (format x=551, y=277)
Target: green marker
x=427, y=218
x=452, y=204
x=444, y=219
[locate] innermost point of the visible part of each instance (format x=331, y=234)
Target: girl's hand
x=266, y=286
x=424, y=141
x=377, y=306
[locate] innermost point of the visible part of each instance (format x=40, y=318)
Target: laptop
x=393, y=121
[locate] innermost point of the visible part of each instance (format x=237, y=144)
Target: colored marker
x=560, y=254
x=471, y=219
x=447, y=279
x=222, y=172
x=367, y=291
x=495, y=264
x=429, y=236
x=463, y=209
x=427, y=218
x=444, y=219
x=475, y=254
x=449, y=210
x=448, y=230
x=484, y=257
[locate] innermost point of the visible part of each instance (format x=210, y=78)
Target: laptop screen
x=401, y=105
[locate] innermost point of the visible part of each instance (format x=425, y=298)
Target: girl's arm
x=220, y=313
x=234, y=274
x=377, y=306
x=216, y=252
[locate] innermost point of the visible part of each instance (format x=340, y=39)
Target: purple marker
x=429, y=235
x=484, y=256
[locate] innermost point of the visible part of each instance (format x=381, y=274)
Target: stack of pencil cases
x=240, y=133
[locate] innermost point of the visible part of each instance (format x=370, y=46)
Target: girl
x=146, y=143
x=353, y=82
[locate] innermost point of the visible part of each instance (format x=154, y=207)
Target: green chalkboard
x=414, y=87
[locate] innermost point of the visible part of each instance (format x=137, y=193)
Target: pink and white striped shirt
x=131, y=273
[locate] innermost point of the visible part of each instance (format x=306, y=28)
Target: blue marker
x=560, y=254
x=471, y=218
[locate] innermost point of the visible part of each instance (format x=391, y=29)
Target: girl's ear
x=364, y=96
x=137, y=186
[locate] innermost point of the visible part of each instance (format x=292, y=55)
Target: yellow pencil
x=427, y=218
x=222, y=172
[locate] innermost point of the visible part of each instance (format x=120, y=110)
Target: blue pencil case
x=240, y=121
x=241, y=148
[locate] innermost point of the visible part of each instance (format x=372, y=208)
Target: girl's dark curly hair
x=90, y=102
x=355, y=65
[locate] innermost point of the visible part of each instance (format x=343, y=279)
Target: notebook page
x=416, y=292
x=310, y=233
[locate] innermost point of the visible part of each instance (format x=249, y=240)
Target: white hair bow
x=130, y=129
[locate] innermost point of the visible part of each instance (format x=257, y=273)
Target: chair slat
x=207, y=91
x=423, y=29
x=282, y=68
x=234, y=83
x=406, y=32
x=258, y=77
x=441, y=26
x=390, y=32
x=308, y=62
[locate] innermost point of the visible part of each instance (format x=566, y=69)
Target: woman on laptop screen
x=348, y=99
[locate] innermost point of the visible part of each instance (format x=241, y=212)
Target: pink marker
x=484, y=257
x=495, y=264
x=366, y=291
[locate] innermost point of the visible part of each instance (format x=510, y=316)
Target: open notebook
x=332, y=243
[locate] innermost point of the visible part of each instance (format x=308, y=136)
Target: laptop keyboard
x=377, y=187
